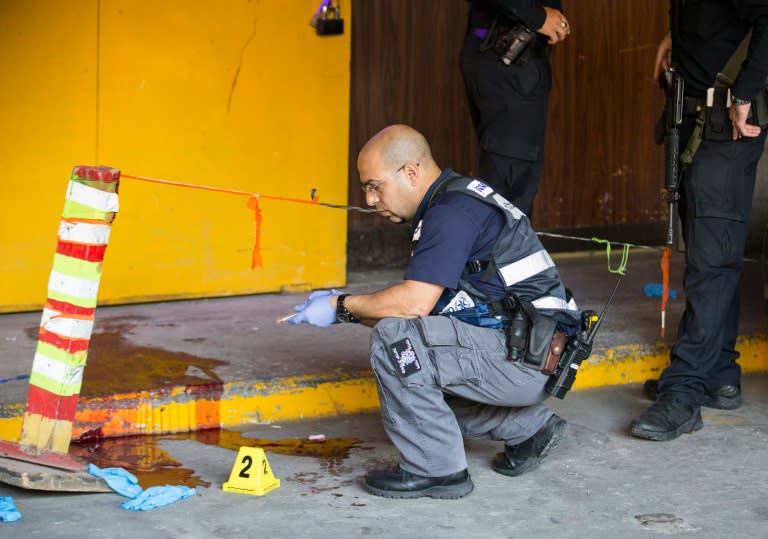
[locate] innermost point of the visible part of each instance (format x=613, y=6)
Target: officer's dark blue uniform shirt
x=710, y=30
x=453, y=230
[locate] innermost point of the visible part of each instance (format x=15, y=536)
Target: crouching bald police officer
x=464, y=346
x=724, y=108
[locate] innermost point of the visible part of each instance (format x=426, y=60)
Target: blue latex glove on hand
x=316, y=310
x=8, y=511
x=121, y=481
x=155, y=497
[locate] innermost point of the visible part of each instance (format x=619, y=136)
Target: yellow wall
x=237, y=94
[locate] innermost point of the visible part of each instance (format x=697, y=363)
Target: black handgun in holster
x=512, y=41
x=517, y=329
x=532, y=338
x=512, y=44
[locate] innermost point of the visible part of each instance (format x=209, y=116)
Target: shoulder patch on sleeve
x=480, y=188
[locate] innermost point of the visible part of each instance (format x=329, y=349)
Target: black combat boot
x=667, y=419
x=398, y=483
x=526, y=456
x=726, y=397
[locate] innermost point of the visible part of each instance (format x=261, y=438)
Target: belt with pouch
x=546, y=344
x=543, y=353
x=556, y=348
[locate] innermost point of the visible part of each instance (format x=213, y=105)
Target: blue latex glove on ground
x=121, y=481
x=653, y=290
x=316, y=310
x=155, y=497
x=8, y=511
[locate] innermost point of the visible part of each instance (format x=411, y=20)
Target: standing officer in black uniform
x=505, y=63
x=716, y=199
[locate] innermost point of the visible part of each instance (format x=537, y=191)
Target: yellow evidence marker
x=251, y=473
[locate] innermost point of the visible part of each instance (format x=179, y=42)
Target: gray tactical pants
x=441, y=380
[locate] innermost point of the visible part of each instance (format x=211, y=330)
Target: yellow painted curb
x=635, y=363
x=184, y=409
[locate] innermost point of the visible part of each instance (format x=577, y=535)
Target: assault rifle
x=674, y=87
x=673, y=118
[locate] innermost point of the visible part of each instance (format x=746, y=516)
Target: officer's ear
x=411, y=170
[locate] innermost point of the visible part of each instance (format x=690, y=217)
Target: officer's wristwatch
x=739, y=102
x=342, y=313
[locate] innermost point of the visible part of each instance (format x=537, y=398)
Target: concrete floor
x=599, y=483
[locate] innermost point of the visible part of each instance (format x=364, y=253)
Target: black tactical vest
x=518, y=258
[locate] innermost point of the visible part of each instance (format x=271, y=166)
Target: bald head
x=396, y=170
x=395, y=145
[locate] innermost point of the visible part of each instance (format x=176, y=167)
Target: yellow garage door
x=235, y=95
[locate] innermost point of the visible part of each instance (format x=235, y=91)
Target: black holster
x=529, y=335
x=514, y=42
x=517, y=331
x=758, y=114
x=539, y=341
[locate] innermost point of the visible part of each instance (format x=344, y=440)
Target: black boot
x=651, y=389
x=398, y=483
x=667, y=419
x=526, y=456
x=726, y=397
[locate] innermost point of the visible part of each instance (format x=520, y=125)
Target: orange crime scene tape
x=253, y=205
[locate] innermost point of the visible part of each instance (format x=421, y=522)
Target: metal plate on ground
x=35, y=477
x=53, y=459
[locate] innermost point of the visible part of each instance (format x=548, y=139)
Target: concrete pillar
x=67, y=320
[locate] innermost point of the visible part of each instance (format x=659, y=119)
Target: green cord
x=621, y=269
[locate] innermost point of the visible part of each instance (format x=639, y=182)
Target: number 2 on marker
x=248, y=461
